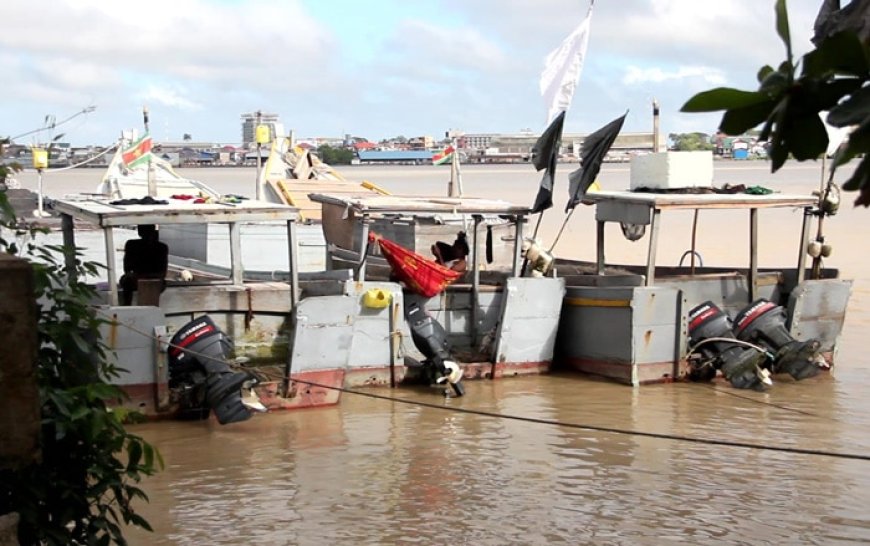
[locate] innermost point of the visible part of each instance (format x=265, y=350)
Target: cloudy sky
x=376, y=68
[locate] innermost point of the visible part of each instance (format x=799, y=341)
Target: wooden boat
x=155, y=177
x=290, y=173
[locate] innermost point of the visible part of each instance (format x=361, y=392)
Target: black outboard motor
x=430, y=338
x=763, y=323
x=201, y=377
x=710, y=331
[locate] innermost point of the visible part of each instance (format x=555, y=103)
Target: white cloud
x=171, y=96
x=200, y=63
x=635, y=75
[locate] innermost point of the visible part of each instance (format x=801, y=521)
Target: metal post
x=599, y=269
x=394, y=339
x=518, y=245
x=364, y=246
x=653, y=246
x=69, y=246
x=258, y=191
x=475, y=282
x=293, y=245
x=40, y=207
x=805, y=239
x=109, y=236
x=236, y=253
x=152, y=184
x=753, y=254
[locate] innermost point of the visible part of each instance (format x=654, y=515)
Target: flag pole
x=152, y=185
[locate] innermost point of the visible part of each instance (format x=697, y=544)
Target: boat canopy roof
x=103, y=213
x=395, y=204
x=664, y=201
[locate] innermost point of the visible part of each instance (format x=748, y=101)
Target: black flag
x=592, y=154
x=544, y=155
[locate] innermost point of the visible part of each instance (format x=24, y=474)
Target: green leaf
x=739, y=120
x=134, y=454
x=852, y=111
x=860, y=181
x=807, y=137
x=782, y=28
x=723, y=98
x=139, y=521
x=764, y=72
x=842, y=53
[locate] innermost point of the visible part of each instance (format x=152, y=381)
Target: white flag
x=562, y=70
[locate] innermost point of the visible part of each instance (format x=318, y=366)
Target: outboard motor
x=763, y=323
x=718, y=349
x=201, y=377
x=430, y=338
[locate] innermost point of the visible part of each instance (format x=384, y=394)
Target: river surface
x=375, y=471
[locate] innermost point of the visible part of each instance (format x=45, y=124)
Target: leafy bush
x=82, y=490
x=834, y=78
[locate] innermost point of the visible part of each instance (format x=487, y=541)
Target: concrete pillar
x=19, y=397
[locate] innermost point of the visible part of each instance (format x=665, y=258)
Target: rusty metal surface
x=324, y=333
x=817, y=310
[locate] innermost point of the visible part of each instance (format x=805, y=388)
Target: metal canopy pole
x=236, y=253
x=653, y=246
x=69, y=246
x=753, y=254
x=475, y=281
x=293, y=245
x=518, y=245
x=111, y=268
x=599, y=263
x=802, y=251
x=364, y=247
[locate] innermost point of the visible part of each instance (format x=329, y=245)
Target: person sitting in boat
x=144, y=258
x=452, y=256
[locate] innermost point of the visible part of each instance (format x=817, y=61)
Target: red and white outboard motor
x=201, y=378
x=717, y=349
x=430, y=338
x=763, y=323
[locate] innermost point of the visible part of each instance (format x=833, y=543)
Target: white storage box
x=669, y=170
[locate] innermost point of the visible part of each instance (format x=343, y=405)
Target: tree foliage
x=690, y=142
x=335, y=156
x=82, y=489
x=832, y=78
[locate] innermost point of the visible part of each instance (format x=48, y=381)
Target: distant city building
x=249, y=126
x=478, y=141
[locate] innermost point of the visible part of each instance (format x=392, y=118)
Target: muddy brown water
x=374, y=471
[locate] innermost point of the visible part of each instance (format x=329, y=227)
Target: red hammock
x=420, y=274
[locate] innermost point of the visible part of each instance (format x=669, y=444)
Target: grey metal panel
x=613, y=211
x=599, y=333
x=730, y=292
x=530, y=319
x=131, y=343
x=324, y=333
x=817, y=310
x=656, y=323
x=371, y=327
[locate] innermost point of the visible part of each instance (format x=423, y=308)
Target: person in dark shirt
x=452, y=256
x=144, y=258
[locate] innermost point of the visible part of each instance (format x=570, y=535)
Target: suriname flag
x=443, y=157
x=138, y=153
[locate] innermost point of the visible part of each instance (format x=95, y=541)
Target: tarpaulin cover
x=421, y=275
